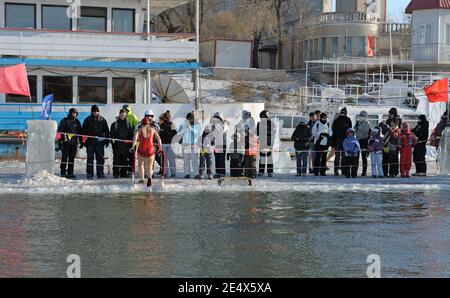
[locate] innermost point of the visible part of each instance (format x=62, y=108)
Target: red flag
x=14, y=80
x=370, y=46
x=437, y=91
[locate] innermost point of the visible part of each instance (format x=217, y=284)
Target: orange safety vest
x=146, y=147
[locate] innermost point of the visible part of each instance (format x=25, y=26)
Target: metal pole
x=149, y=75
x=197, y=71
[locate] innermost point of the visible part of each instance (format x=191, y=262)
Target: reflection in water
x=226, y=235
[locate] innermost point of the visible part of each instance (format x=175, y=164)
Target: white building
x=430, y=22
x=92, y=51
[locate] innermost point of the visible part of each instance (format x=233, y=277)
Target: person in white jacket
x=321, y=132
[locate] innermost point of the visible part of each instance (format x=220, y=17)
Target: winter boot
x=210, y=177
x=149, y=182
x=187, y=176
x=199, y=177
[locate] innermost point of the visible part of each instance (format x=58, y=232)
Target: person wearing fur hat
x=351, y=154
x=339, y=128
x=302, y=143
x=407, y=141
x=68, y=144
x=375, y=148
x=363, y=131
x=96, y=127
x=421, y=131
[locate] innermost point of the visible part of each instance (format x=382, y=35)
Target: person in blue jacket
x=352, y=149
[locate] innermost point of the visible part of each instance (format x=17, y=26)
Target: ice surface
x=444, y=154
x=40, y=146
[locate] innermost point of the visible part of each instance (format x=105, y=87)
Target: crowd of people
x=392, y=145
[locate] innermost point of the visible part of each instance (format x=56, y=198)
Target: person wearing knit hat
x=340, y=127
x=407, y=141
x=96, y=127
x=362, y=132
x=421, y=131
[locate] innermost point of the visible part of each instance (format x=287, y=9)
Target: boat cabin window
x=55, y=18
x=12, y=98
x=373, y=120
x=92, y=90
x=411, y=120
x=123, y=20
x=20, y=15
x=93, y=18
x=61, y=87
x=124, y=90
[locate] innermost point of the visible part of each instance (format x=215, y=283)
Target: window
x=412, y=120
x=60, y=87
x=447, y=34
x=123, y=20
x=305, y=50
x=424, y=33
x=373, y=120
x=316, y=47
x=349, y=46
x=323, y=47
x=92, y=90
x=361, y=46
x=124, y=90
x=93, y=18
x=55, y=18
x=20, y=15
x=12, y=98
x=334, y=47
x=311, y=49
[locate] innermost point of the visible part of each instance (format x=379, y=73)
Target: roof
x=427, y=4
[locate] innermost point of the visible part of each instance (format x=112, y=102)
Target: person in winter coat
x=206, y=145
x=322, y=133
x=363, y=131
x=407, y=141
x=265, y=130
x=375, y=147
x=302, y=143
x=393, y=116
x=167, y=132
x=312, y=120
x=436, y=135
x=146, y=136
x=236, y=156
x=122, y=130
x=390, y=149
x=68, y=143
x=219, y=128
x=189, y=133
x=133, y=121
x=352, y=150
x=97, y=127
x=251, y=147
x=421, y=131
x=340, y=127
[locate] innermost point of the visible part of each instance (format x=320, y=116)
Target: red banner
x=14, y=80
x=437, y=91
x=370, y=46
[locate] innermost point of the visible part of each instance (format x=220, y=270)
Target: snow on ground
x=13, y=181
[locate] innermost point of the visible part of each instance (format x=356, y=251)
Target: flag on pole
x=437, y=91
x=47, y=104
x=14, y=80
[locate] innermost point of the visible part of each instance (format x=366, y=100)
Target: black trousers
x=120, y=164
x=364, y=144
x=339, y=155
x=265, y=158
x=391, y=165
x=236, y=167
x=419, y=158
x=320, y=159
x=69, y=151
x=350, y=166
x=95, y=151
x=220, y=163
x=250, y=166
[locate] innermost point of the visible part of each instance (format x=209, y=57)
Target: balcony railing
x=431, y=52
x=396, y=28
x=93, y=44
x=335, y=17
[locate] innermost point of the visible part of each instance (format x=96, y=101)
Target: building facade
x=89, y=52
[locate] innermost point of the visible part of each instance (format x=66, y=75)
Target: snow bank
x=45, y=183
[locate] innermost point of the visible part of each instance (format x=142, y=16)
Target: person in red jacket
x=407, y=141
